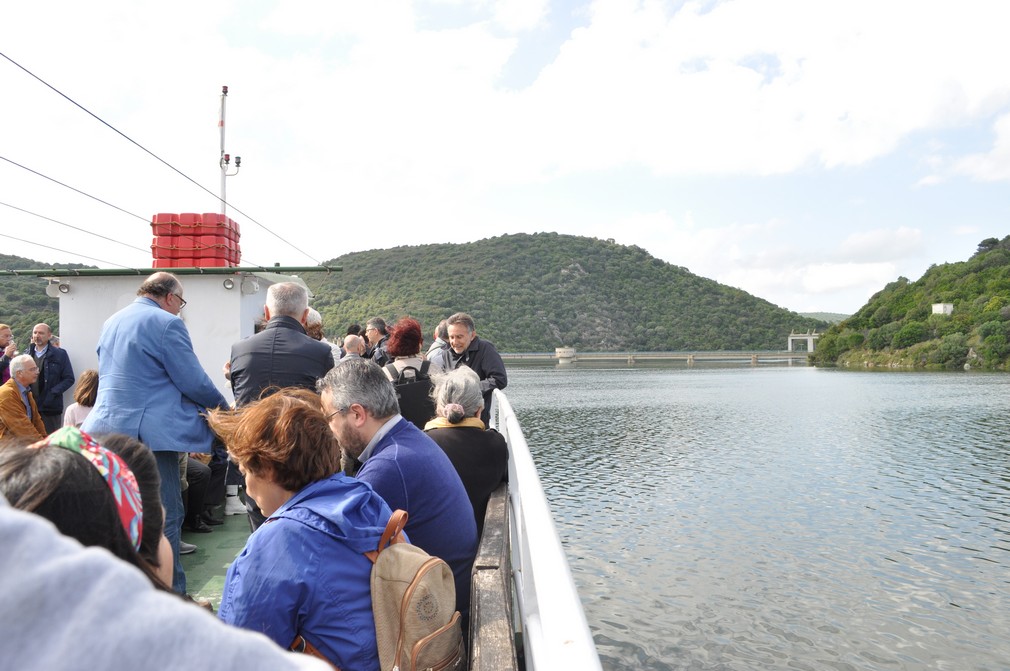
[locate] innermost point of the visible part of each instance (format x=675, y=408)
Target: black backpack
x=413, y=393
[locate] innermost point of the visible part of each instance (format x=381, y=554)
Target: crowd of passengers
x=314, y=449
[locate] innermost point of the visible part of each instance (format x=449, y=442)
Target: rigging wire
x=97, y=235
x=35, y=172
x=62, y=251
x=152, y=154
x=144, y=219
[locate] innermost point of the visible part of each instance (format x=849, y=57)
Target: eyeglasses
x=336, y=412
x=182, y=301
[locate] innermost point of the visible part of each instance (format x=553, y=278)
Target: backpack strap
x=301, y=644
x=392, y=372
x=425, y=365
x=392, y=534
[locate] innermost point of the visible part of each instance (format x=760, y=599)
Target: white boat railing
x=555, y=632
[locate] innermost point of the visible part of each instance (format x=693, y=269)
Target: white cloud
x=993, y=166
x=520, y=15
x=882, y=244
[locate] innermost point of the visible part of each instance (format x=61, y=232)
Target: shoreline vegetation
x=956, y=316
x=543, y=291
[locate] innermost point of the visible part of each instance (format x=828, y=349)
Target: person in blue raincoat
x=303, y=575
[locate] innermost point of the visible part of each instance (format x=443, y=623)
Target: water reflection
x=780, y=517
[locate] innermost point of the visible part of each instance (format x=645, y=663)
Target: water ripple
x=780, y=518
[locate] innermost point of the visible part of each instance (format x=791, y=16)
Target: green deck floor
x=206, y=567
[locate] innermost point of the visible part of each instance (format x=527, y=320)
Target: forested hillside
x=527, y=293
x=532, y=293
x=23, y=300
x=897, y=326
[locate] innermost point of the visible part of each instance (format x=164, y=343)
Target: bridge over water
x=568, y=355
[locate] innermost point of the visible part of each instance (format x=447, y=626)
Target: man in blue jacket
x=153, y=388
x=404, y=466
x=56, y=375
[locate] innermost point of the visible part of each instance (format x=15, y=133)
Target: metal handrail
x=555, y=632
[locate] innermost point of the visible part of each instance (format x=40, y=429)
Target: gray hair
x=18, y=363
x=313, y=318
x=287, y=298
x=457, y=394
x=442, y=330
x=360, y=381
x=461, y=318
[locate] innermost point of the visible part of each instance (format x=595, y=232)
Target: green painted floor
x=206, y=567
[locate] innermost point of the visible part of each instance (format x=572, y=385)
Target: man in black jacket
x=375, y=333
x=466, y=349
x=281, y=355
x=56, y=375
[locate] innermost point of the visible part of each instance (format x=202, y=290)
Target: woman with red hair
x=404, y=345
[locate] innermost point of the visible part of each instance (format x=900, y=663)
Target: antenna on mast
x=225, y=161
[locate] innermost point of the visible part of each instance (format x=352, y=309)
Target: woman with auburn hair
x=303, y=575
x=84, y=399
x=404, y=346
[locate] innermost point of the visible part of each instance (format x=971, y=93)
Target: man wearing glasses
x=152, y=387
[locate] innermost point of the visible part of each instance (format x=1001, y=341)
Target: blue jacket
x=304, y=572
x=151, y=385
x=410, y=472
x=57, y=376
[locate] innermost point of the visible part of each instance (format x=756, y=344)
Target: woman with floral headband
x=86, y=490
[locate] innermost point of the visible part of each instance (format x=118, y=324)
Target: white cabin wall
x=215, y=315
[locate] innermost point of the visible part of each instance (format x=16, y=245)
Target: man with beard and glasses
x=404, y=466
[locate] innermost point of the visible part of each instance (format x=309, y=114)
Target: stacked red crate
x=191, y=240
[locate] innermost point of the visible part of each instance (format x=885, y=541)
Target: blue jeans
x=171, y=499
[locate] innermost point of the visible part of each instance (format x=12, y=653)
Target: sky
x=808, y=151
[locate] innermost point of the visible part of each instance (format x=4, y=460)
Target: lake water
x=780, y=517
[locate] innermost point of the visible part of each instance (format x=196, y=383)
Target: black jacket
x=482, y=358
x=56, y=375
x=280, y=355
x=480, y=458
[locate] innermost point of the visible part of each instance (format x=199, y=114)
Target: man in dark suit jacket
x=281, y=355
x=56, y=375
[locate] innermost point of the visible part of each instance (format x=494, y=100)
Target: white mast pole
x=224, y=157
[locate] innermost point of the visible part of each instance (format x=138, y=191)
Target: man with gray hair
x=19, y=415
x=281, y=355
x=404, y=466
x=440, y=342
x=466, y=349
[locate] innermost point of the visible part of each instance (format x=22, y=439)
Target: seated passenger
x=87, y=491
x=404, y=466
x=154, y=546
x=66, y=607
x=84, y=399
x=479, y=455
x=304, y=571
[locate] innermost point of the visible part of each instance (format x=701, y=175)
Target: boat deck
x=205, y=568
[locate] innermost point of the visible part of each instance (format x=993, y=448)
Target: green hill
x=23, y=300
x=897, y=326
x=532, y=293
